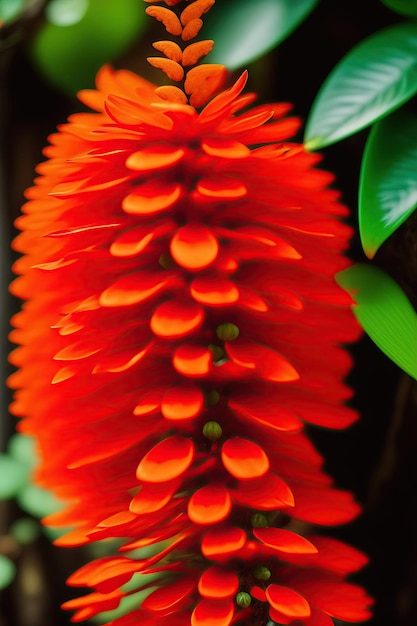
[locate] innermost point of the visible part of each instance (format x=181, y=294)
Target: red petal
x=209, y=505
x=343, y=601
x=267, y=363
x=154, y=497
x=194, y=247
x=288, y=601
x=318, y=618
x=213, y=613
x=154, y=157
x=214, y=291
x=222, y=542
x=182, y=403
x=260, y=410
x=172, y=596
x=244, y=459
x=337, y=556
x=167, y=460
x=176, y=318
x=258, y=593
x=218, y=582
x=284, y=541
x=278, y=617
x=151, y=197
x=192, y=360
x=266, y=494
x=328, y=507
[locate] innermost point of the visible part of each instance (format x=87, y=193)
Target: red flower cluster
x=182, y=324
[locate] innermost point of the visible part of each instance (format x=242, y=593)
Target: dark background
x=376, y=458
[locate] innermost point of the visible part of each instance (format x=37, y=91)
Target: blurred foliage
x=16, y=467
x=77, y=37
x=265, y=23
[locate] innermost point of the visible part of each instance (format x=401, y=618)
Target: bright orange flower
x=182, y=324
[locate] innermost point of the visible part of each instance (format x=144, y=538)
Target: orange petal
x=192, y=360
x=170, y=49
x=288, y=601
x=133, y=289
x=221, y=188
x=218, y=582
x=203, y=81
x=154, y=158
x=209, y=505
x=225, y=148
x=172, y=69
x=267, y=363
x=213, y=613
x=182, y=403
x=214, y=291
x=151, y=198
x=193, y=53
x=195, y=10
x=222, y=542
x=167, y=460
x=194, y=247
x=168, y=19
x=176, y=318
x=244, y=459
x=136, y=240
x=284, y=541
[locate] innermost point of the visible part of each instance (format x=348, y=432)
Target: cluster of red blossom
x=182, y=324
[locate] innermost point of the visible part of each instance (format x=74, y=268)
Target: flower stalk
x=182, y=324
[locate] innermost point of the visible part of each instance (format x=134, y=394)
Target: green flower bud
x=227, y=332
x=166, y=261
x=217, y=352
x=212, y=398
x=212, y=430
x=243, y=599
x=262, y=573
x=259, y=520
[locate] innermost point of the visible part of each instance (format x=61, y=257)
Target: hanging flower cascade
x=182, y=324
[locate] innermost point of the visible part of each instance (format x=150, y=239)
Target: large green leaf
x=385, y=313
x=374, y=78
x=388, y=182
x=245, y=30
x=81, y=36
x=404, y=7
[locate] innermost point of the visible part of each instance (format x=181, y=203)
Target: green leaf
x=388, y=182
x=7, y=571
x=77, y=40
x=374, y=78
x=245, y=30
x=13, y=477
x=384, y=312
x=38, y=502
x=404, y=7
